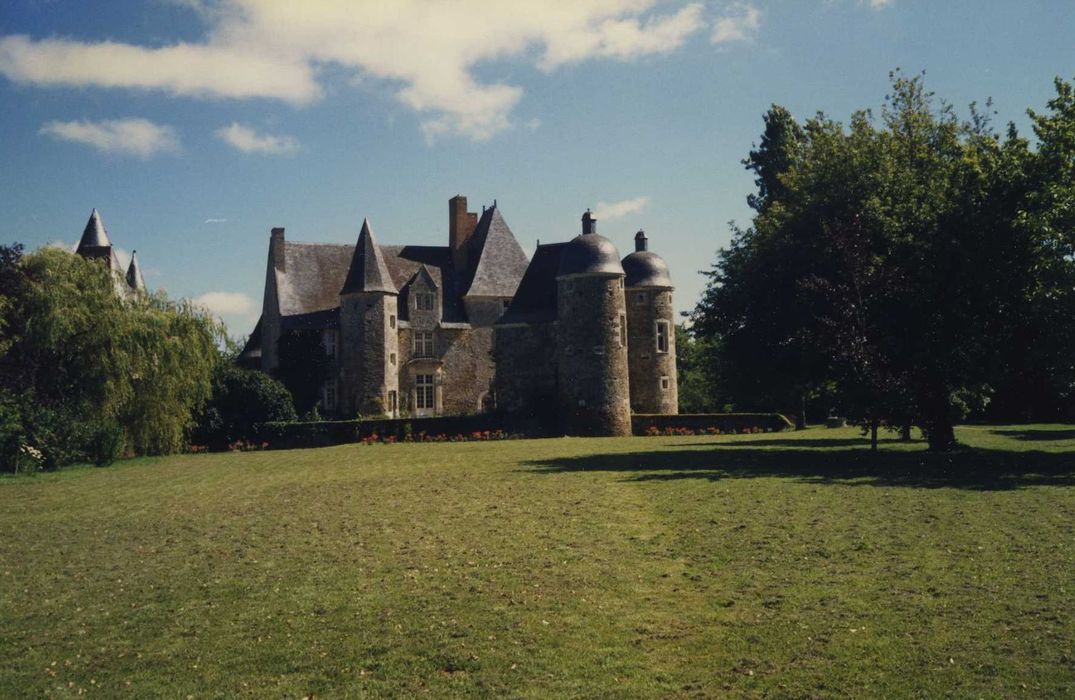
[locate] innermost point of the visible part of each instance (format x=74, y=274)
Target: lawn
x=789, y=565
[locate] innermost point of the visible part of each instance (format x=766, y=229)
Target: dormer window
x=423, y=344
x=423, y=301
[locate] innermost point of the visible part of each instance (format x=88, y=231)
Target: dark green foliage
x=88, y=374
x=303, y=368
x=909, y=267
x=242, y=399
x=697, y=373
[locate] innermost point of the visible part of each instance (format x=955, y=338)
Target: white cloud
x=876, y=4
x=624, y=207
x=740, y=22
x=226, y=303
x=247, y=140
x=426, y=51
x=215, y=221
x=139, y=137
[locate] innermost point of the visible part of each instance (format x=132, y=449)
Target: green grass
x=789, y=565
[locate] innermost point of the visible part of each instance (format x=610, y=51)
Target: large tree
x=895, y=260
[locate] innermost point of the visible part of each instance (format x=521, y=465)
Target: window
x=640, y=298
x=662, y=336
x=392, y=358
x=330, y=396
x=507, y=303
x=423, y=344
x=424, y=392
x=623, y=330
x=423, y=301
x=328, y=341
x=666, y=383
x=392, y=321
x=392, y=403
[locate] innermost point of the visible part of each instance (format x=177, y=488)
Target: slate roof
x=315, y=273
x=535, y=300
x=94, y=235
x=134, y=274
x=646, y=269
x=368, y=272
x=312, y=277
x=589, y=253
x=500, y=261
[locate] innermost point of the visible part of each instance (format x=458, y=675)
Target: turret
x=651, y=337
x=135, y=281
x=591, y=357
x=369, y=339
x=96, y=245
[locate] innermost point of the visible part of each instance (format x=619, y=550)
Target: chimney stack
x=589, y=223
x=276, y=248
x=461, y=225
x=641, y=242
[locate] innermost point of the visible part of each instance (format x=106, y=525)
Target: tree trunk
x=941, y=436
x=800, y=420
x=873, y=436
x=905, y=432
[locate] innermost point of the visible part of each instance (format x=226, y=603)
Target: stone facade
x=475, y=326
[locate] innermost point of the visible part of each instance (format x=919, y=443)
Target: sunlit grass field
x=786, y=565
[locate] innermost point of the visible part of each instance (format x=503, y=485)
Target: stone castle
x=575, y=332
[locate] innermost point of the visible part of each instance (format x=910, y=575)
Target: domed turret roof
x=589, y=254
x=646, y=269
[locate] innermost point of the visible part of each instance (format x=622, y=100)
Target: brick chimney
x=461, y=224
x=276, y=248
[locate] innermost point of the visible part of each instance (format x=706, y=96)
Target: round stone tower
x=651, y=331
x=591, y=348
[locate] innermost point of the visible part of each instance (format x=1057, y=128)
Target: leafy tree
x=87, y=374
x=901, y=260
x=696, y=364
x=303, y=367
x=242, y=398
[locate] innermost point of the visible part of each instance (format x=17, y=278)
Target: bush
x=242, y=399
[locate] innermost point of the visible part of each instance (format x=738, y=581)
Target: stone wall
x=525, y=380
x=591, y=357
x=654, y=387
x=462, y=366
x=366, y=374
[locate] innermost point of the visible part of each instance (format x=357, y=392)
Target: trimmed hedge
x=294, y=435
x=643, y=423
x=324, y=433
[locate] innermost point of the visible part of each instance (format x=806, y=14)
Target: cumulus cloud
x=247, y=140
x=624, y=207
x=138, y=137
x=226, y=303
x=426, y=51
x=739, y=22
x=876, y=4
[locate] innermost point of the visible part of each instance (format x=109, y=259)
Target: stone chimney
x=461, y=224
x=589, y=223
x=641, y=242
x=276, y=249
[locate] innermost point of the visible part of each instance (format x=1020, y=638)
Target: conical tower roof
x=368, y=272
x=94, y=235
x=134, y=274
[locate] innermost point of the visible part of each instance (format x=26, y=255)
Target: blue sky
x=195, y=126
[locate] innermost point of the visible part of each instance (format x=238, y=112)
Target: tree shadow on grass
x=971, y=469
x=1037, y=434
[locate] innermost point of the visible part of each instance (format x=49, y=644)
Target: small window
x=424, y=391
x=423, y=344
x=666, y=383
x=423, y=301
x=328, y=340
x=662, y=336
x=641, y=298
x=392, y=321
x=392, y=358
x=623, y=330
x=393, y=403
x=507, y=303
x=330, y=396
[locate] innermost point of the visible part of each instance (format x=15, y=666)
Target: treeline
x=907, y=268
x=89, y=374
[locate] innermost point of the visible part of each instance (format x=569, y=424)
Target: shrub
x=242, y=400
